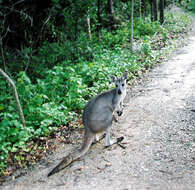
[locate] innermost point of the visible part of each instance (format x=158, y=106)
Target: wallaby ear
x=125, y=75
x=112, y=78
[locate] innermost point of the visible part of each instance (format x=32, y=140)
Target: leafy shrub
x=192, y=5
x=145, y=28
x=177, y=22
x=111, y=39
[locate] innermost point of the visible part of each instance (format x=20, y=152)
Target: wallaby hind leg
x=98, y=138
x=108, y=141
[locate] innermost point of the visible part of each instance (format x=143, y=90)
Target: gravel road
x=159, y=129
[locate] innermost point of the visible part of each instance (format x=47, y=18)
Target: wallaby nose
x=119, y=113
x=119, y=92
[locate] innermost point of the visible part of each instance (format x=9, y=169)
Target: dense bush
x=145, y=28
x=191, y=5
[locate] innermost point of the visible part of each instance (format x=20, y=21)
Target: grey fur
x=97, y=117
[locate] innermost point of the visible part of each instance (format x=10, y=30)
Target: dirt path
x=159, y=130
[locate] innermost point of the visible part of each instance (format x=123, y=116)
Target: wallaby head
x=120, y=89
x=120, y=83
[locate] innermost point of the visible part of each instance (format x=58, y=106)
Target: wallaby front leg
x=119, y=108
x=114, y=119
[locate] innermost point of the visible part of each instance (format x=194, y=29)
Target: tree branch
x=15, y=95
x=132, y=9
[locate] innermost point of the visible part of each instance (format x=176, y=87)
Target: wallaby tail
x=66, y=161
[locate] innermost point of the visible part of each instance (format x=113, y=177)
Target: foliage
x=184, y=20
x=191, y=5
x=145, y=28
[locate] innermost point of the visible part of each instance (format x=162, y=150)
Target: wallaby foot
x=117, y=141
x=108, y=141
x=98, y=138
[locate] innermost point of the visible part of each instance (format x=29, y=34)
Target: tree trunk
x=110, y=7
x=111, y=16
x=155, y=10
x=162, y=11
x=132, y=9
x=15, y=95
x=99, y=19
x=165, y=3
x=2, y=54
x=143, y=8
x=152, y=10
x=140, y=8
x=88, y=26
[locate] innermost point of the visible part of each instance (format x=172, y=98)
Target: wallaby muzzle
x=119, y=92
x=119, y=113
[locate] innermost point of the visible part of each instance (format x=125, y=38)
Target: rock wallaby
x=97, y=117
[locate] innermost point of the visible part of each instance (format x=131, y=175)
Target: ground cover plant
x=55, y=78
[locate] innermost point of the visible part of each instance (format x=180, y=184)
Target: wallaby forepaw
x=115, y=119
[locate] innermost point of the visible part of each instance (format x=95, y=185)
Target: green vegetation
x=56, y=78
x=191, y=5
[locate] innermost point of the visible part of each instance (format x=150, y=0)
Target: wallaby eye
x=116, y=85
x=123, y=84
